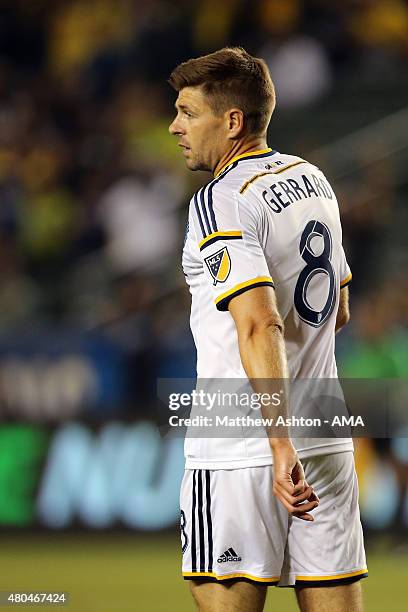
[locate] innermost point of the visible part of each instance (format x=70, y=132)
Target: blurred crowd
x=93, y=192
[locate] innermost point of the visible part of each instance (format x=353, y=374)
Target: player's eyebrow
x=183, y=107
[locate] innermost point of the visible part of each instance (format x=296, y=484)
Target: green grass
x=127, y=572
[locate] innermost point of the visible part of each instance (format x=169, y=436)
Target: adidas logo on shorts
x=228, y=556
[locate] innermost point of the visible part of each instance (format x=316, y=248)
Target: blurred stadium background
x=93, y=308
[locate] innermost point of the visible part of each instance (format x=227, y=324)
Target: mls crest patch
x=219, y=265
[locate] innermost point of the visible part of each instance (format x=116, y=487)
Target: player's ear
x=235, y=123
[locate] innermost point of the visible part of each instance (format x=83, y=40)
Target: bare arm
x=343, y=312
x=263, y=356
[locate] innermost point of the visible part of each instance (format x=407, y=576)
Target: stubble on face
x=193, y=162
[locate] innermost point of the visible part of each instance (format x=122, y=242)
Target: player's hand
x=289, y=484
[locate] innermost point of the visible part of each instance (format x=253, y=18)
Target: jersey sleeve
x=228, y=238
x=345, y=272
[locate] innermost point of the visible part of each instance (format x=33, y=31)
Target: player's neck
x=240, y=147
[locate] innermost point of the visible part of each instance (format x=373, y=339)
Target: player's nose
x=174, y=128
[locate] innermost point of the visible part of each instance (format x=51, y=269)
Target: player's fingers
x=305, y=517
x=284, y=502
x=304, y=507
x=314, y=496
x=299, y=487
x=285, y=488
x=287, y=492
x=307, y=495
x=301, y=512
x=295, y=500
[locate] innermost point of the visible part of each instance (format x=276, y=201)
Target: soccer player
x=268, y=276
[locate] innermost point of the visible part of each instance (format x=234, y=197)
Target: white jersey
x=266, y=219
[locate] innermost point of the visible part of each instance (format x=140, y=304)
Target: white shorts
x=233, y=527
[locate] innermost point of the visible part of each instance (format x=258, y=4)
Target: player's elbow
x=343, y=312
x=343, y=317
x=266, y=325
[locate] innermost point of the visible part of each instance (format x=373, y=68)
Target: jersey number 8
x=315, y=264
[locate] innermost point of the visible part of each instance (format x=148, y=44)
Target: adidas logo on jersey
x=228, y=556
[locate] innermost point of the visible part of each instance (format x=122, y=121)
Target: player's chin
x=189, y=163
x=196, y=164
x=193, y=164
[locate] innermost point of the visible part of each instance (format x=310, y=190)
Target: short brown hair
x=231, y=77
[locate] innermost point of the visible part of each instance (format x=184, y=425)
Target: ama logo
x=219, y=265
